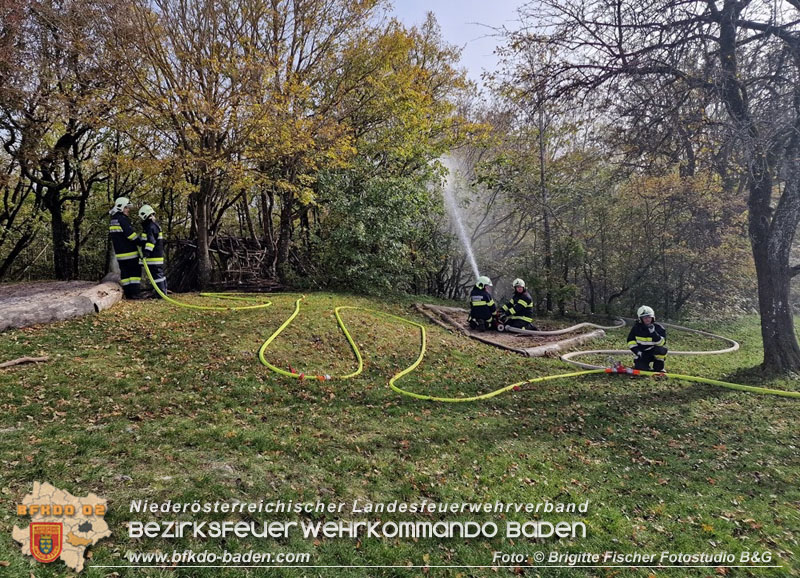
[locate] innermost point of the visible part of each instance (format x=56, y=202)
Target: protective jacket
x=123, y=237
x=125, y=242
x=519, y=308
x=481, y=304
x=648, y=344
x=153, y=240
x=644, y=337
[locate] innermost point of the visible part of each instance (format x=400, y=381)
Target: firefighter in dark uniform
x=647, y=341
x=125, y=241
x=481, y=305
x=153, y=240
x=518, y=311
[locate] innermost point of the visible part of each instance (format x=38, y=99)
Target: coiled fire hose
x=589, y=369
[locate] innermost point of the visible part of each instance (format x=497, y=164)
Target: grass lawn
x=151, y=402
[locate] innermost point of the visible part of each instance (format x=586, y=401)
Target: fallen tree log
x=104, y=296
x=438, y=321
x=49, y=307
x=428, y=312
x=552, y=349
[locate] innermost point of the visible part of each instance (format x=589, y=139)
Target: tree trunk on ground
x=57, y=307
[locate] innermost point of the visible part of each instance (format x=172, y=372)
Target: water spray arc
x=450, y=189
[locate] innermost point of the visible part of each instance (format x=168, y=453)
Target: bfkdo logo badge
x=47, y=540
x=62, y=526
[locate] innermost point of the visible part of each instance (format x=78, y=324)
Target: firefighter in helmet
x=518, y=311
x=125, y=241
x=153, y=240
x=481, y=305
x=647, y=340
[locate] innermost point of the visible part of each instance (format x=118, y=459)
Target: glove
x=651, y=328
x=636, y=354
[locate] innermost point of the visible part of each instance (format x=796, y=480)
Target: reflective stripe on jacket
x=520, y=306
x=643, y=337
x=154, y=242
x=481, y=304
x=123, y=237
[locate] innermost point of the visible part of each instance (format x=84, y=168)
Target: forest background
x=624, y=152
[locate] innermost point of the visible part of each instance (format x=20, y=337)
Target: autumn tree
x=55, y=93
x=196, y=76
x=321, y=53
x=541, y=167
x=748, y=57
x=20, y=210
x=378, y=220
x=11, y=18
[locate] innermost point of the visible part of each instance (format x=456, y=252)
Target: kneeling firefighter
x=647, y=340
x=153, y=246
x=481, y=305
x=518, y=310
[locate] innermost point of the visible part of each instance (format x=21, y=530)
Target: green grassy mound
x=151, y=402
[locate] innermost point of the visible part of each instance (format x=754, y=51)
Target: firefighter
x=647, y=340
x=125, y=241
x=518, y=310
x=153, y=240
x=482, y=306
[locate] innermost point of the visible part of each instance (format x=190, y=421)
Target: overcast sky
x=467, y=24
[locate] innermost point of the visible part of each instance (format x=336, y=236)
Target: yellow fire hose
x=423, y=344
x=230, y=296
x=513, y=386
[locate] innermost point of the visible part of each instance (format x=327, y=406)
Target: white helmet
x=145, y=212
x=483, y=281
x=518, y=283
x=645, y=311
x=119, y=204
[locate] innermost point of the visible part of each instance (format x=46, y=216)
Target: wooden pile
x=240, y=264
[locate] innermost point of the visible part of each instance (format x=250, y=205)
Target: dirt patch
x=532, y=345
